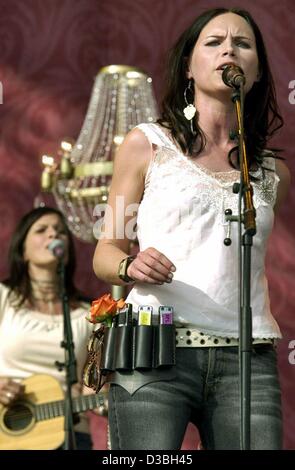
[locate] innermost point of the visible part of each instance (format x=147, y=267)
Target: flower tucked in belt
x=104, y=309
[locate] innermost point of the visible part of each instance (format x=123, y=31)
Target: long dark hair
x=19, y=280
x=261, y=113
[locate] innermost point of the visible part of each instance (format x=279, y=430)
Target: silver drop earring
x=190, y=110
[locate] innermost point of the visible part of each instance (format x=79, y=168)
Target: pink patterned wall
x=50, y=52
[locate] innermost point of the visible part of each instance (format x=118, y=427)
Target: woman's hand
x=151, y=266
x=103, y=409
x=10, y=390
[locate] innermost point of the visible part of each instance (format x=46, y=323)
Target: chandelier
x=79, y=179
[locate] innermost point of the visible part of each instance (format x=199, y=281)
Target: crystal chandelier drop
x=121, y=98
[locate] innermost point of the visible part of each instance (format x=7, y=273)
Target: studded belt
x=193, y=338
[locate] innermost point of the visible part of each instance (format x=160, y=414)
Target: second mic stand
x=70, y=362
x=245, y=313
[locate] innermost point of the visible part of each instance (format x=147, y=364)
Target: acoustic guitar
x=36, y=420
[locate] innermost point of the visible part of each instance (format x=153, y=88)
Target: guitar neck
x=57, y=408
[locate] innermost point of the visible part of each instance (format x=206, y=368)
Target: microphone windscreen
x=233, y=76
x=57, y=248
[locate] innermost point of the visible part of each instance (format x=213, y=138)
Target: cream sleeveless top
x=181, y=214
x=30, y=343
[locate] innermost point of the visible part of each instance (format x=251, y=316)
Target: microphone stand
x=245, y=242
x=70, y=362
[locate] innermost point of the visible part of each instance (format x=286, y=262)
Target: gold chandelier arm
x=94, y=169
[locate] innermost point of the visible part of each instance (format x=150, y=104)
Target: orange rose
x=104, y=308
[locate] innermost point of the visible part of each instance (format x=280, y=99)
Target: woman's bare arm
x=130, y=167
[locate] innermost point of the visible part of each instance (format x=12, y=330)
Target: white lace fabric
x=182, y=215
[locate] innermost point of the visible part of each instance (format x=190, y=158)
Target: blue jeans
x=205, y=392
x=83, y=441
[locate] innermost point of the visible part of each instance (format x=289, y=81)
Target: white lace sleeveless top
x=182, y=215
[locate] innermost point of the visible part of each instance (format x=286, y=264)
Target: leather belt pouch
x=124, y=350
x=139, y=347
x=164, y=346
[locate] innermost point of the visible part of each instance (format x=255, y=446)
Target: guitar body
x=19, y=430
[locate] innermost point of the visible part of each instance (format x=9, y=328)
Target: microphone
x=57, y=248
x=233, y=76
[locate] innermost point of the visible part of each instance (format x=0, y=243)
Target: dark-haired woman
x=180, y=171
x=31, y=318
